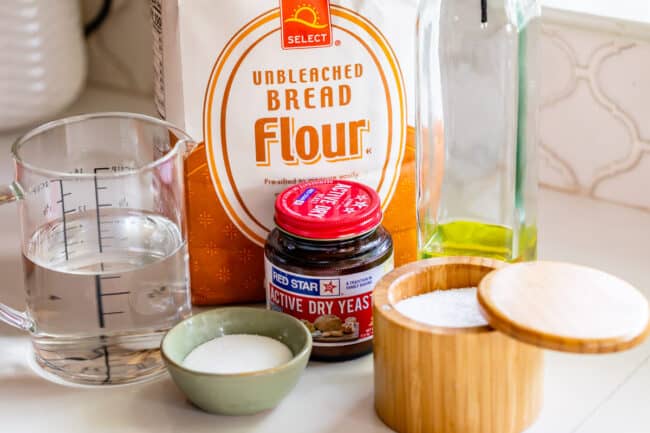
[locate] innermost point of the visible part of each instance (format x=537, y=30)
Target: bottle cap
x=328, y=210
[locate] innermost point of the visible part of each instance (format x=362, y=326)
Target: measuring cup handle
x=15, y=318
x=9, y=193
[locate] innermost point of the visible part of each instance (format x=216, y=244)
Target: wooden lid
x=565, y=307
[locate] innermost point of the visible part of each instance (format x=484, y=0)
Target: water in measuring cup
x=103, y=292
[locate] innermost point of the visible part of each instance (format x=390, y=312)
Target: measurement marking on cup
x=98, y=206
x=116, y=294
x=107, y=364
x=63, y=220
x=99, y=278
x=100, y=304
x=68, y=229
x=100, y=294
x=67, y=194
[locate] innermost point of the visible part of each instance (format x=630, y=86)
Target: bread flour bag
x=279, y=92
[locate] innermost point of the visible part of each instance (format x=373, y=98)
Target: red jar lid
x=328, y=210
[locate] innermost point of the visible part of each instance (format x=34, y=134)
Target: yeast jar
x=323, y=260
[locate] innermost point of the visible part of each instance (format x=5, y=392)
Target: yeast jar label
x=279, y=92
x=337, y=309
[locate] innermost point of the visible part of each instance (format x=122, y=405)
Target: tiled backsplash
x=595, y=120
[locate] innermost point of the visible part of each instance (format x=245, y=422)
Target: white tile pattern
x=595, y=120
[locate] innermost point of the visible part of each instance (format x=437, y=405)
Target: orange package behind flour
x=279, y=92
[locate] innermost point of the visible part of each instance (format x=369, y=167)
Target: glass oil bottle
x=477, y=113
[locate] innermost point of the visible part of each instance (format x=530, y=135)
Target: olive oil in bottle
x=469, y=238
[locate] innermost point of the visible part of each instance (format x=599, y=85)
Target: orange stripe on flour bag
x=225, y=266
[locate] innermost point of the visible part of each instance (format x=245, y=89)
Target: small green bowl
x=236, y=394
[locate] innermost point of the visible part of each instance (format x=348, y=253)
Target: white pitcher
x=42, y=59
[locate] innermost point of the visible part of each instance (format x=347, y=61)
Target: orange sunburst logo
x=306, y=15
x=305, y=24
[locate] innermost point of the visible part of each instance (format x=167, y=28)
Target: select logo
x=305, y=24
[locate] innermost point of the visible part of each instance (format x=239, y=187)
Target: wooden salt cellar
x=480, y=379
x=449, y=380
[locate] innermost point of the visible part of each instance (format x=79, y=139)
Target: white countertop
x=584, y=394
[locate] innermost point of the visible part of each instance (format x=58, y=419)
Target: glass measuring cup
x=102, y=213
